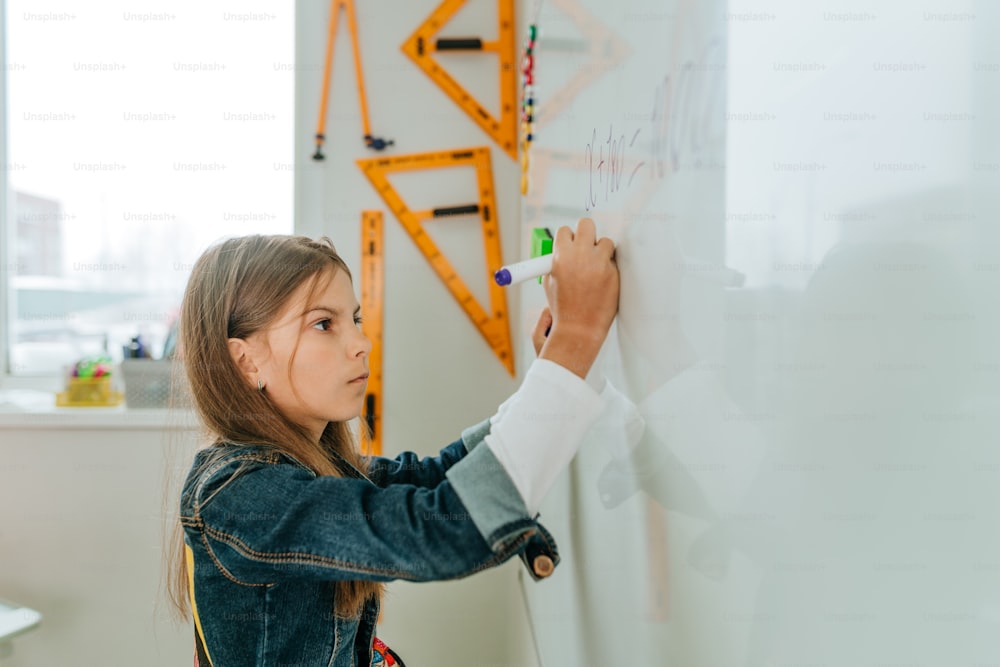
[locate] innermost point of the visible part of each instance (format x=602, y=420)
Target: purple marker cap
x=502, y=277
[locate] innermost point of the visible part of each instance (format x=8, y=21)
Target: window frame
x=10, y=377
x=6, y=230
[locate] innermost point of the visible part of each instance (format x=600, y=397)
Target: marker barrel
x=526, y=270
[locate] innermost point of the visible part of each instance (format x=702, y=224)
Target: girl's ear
x=241, y=353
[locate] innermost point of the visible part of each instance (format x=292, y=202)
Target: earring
x=260, y=386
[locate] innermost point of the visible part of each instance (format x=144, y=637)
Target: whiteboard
x=817, y=482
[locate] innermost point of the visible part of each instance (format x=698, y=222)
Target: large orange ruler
x=373, y=142
x=424, y=43
x=493, y=323
x=372, y=291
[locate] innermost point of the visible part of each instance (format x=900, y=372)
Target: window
x=136, y=137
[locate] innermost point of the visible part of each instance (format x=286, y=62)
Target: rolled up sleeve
x=539, y=429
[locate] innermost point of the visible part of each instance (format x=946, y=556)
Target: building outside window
x=134, y=139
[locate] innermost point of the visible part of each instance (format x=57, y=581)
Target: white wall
x=80, y=542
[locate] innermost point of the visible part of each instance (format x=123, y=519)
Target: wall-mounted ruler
x=604, y=49
x=493, y=324
x=424, y=43
x=373, y=142
x=372, y=291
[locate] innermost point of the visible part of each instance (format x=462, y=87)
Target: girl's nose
x=364, y=345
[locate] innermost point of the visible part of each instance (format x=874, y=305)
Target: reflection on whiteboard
x=808, y=298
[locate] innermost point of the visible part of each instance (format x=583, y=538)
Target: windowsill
x=34, y=409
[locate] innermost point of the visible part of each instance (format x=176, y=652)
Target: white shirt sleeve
x=595, y=379
x=537, y=431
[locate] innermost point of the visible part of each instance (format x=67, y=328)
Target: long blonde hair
x=237, y=288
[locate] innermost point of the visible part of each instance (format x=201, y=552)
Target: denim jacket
x=266, y=538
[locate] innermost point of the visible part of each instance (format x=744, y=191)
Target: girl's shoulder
x=224, y=451
x=218, y=464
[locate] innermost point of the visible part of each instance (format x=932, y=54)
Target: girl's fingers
x=541, y=330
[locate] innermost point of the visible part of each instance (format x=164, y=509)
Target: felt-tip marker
x=526, y=270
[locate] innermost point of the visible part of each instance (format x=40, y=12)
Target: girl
x=288, y=532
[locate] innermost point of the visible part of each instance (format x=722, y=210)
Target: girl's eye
x=358, y=320
x=322, y=325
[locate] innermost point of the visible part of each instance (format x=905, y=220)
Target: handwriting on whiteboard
x=686, y=119
x=609, y=167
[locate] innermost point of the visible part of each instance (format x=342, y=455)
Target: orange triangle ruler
x=424, y=43
x=493, y=324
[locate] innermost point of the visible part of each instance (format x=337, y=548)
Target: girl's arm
x=543, y=444
x=274, y=521
x=427, y=472
x=262, y=522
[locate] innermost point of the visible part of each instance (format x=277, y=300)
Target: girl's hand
x=582, y=289
x=541, y=331
x=582, y=292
